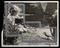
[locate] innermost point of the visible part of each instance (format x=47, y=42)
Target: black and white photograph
x=30, y=24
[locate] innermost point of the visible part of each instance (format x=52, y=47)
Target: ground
x=33, y=39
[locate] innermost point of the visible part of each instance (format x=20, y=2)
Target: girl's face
x=13, y=12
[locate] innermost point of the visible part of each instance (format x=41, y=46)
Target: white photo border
x=35, y=45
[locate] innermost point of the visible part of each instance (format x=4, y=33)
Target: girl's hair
x=12, y=11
